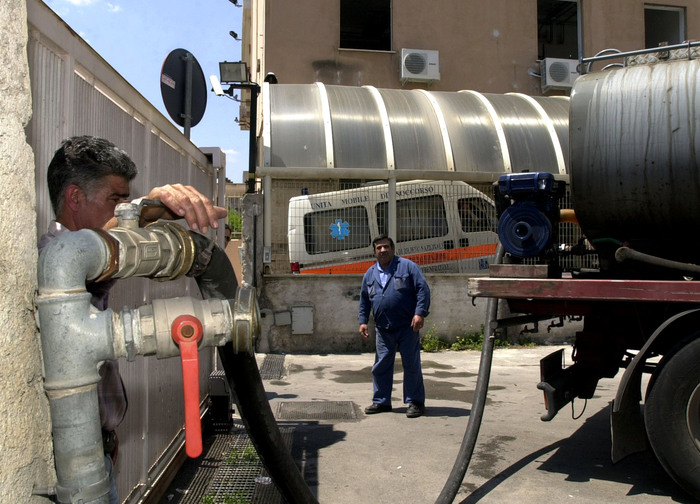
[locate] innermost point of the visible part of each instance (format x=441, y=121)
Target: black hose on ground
x=216, y=279
x=466, y=450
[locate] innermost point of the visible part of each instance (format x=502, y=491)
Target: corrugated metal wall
x=75, y=92
x=326, y=126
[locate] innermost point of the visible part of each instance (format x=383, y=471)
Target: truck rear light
x=295, y=267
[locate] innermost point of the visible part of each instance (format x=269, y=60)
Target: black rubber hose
x=466, y=450
x=627, y=254
x=216, y=279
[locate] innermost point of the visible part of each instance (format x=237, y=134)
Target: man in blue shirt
x=399, y=296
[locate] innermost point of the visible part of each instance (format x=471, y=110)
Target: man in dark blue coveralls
x=399, y=296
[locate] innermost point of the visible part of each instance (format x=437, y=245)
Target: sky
x=135, y=37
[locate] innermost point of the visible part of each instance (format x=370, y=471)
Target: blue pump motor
x=528, y=209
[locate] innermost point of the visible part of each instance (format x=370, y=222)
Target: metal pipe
x=299, y=172
x=684, y=45
x=67, y=320
x=76, y=337
x=267, y=218
x=187, y=116
x=252, y=144
x=392, y=231
x=255, y=245
x=579, y=31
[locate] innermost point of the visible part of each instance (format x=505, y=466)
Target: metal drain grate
x=272, y=367
x=316, y=410
x=240, y=476
x=193, y=479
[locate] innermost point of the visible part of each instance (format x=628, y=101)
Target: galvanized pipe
x=76, y=337
x=67, y=320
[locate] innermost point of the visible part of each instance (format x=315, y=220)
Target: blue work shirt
x=405, y=294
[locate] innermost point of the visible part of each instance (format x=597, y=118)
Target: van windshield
x=416, y=218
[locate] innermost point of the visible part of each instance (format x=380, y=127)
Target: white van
x=443, y=226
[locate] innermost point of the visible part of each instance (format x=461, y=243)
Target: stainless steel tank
x=635, y=139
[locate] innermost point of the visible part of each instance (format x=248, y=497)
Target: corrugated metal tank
x=319, y=126
x=635, y=136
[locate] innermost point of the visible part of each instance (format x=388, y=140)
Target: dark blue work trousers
x=408, y=343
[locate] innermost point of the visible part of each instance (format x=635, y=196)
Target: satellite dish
x=183, y=88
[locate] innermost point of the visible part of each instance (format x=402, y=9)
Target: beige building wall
x=485, y=49
x=487, y=46
x=25, y=442
x=620, y=24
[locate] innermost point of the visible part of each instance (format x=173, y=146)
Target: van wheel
x=672, y=416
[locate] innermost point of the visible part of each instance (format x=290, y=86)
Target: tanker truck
x=634, y=192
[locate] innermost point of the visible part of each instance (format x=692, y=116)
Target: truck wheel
x=672, y=416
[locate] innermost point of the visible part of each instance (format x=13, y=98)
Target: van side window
x=336, y=230
x=476, y=215
x=416, y=218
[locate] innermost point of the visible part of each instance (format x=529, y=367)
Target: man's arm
x=365, y=306
x=181, y=202
x=422, y=292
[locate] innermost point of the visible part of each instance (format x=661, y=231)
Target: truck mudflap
x=626, y=419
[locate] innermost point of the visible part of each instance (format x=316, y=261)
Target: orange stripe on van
x=437, y=256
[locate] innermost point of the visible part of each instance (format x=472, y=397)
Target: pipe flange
x=246, y=320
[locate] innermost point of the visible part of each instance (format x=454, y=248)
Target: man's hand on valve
x=183, y=202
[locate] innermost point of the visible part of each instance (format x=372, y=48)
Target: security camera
x=271, y=78
x=216, y=85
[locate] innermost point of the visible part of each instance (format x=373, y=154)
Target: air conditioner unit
x=558, y=73
x=419, y=65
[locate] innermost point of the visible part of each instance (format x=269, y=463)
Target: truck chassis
x=641, y=326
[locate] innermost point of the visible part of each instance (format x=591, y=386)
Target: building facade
x=494, y=46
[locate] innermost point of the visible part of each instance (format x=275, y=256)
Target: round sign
x=173, y=87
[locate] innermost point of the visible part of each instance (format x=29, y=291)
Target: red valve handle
x=187, y=331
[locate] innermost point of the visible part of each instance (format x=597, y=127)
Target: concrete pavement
x=349, y=457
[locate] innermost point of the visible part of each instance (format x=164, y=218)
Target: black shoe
x=415, y=410
x=377, y=408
